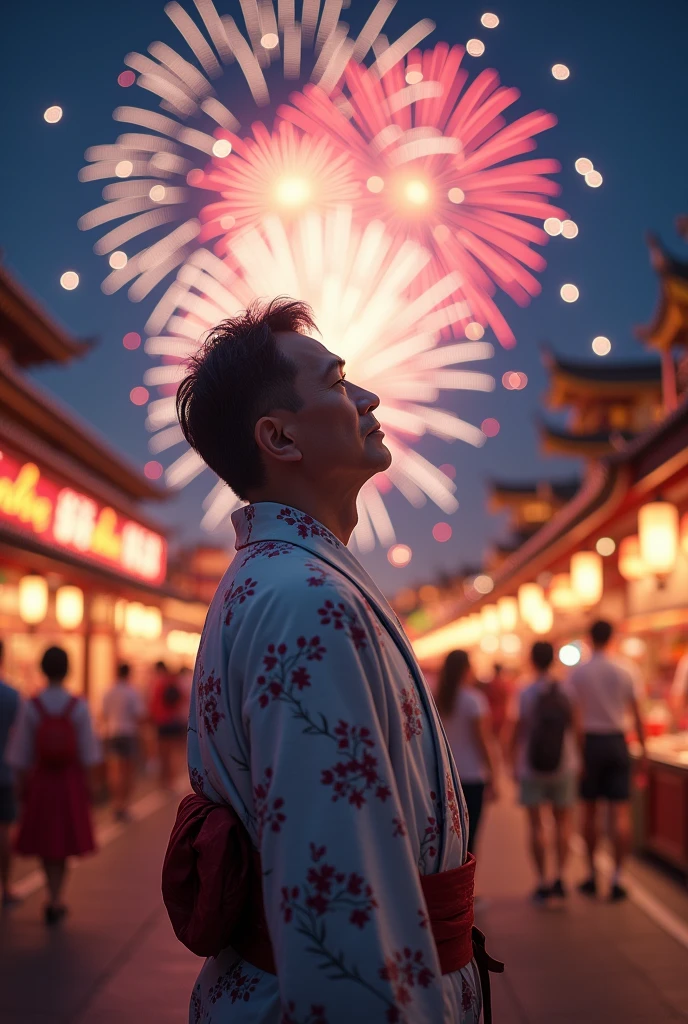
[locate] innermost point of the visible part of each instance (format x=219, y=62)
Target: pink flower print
x=289, y=897
x=197, y=779
x=467, y=996
x=268, y=548
x=208, y=693
x=284, y=676
x=431, y=836
x=413, y=715
x=399, y=827
x=358, y=773
x=319, y=577
x=268, y=813
x=342, y=617
x=237, y=983
x=317, y=853
x=306, y=526
x=236, y=595
x=406, y=969
x=300, y=677
x=453, y=805
x=316, y=1015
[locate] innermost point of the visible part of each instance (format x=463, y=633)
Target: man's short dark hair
x=601, y=633
x=123, y=670
x=160, y=666
x=239, y=375
x=55, y=664
x=542, y=655
x=2, y=649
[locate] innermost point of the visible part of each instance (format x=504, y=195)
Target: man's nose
x=366, y=401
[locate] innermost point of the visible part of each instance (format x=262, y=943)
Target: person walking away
x=169, y=712
x=312, y=733
x=122, y=713
x=52, y=748
x=605, y=694
x=498, y=693
x=545, y=757
x=9, y=710
x=466, y=717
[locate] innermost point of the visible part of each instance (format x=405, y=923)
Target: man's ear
x=274, y=439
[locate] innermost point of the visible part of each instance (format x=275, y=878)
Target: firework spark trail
x=437, y=162
x=358, y=281
x=157, y=161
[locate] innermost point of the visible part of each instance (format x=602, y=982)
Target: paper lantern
x=631, y=565
x=530, y=597
x=542, y=619
x=658, y=536
x=561, y=594
x=151, y=623
x=507, y=609
x=69, y=607
x=586, y=577
x=134, y=614
x=33, y=599
x=684, y=533
x=489, y=619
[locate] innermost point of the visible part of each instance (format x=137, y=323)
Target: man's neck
x=338, y=514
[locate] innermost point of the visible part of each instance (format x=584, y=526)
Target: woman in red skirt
x=52, y=748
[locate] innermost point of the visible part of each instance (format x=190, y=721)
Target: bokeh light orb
x=195, y=177
x=375, y=183
x=483, y=583
x=510, y=643
x=270, y=40
x=442, y=532
x=594, y=179
x=292, y=192
x=123, y=168
x=139, y=395
x=553, y=226
x=448, y=470
x=489, y=20
x=222, y=148
x=605, y=547
x=474, y=331
x=126, y=78
x=490, y=427
x=52, y=115
x=69, y=280
x=131, y=340
x=152, y=470
x=569, y=293
x=456, y=195
x=475, y=47
x=441, y=233
x=601, y=346
x=560, y=72
x=569, y=229
x=118, y=259
x=414, y=74
x=399, y=555
x=569, y=655
x=489, y=644
x=514, y=380
x=157, y=193
x=583, y=165
x=417, y=192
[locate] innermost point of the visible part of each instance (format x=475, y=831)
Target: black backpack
x=171, y=695
x=552, y=716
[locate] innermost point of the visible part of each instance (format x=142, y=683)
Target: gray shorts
x=124, y=747
x=560, y=791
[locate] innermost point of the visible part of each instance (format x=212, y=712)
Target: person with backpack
x=122, y=712
x=545, y=755
x=52, y=749
x=169, y=711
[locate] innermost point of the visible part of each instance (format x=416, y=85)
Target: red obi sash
x=211, y=885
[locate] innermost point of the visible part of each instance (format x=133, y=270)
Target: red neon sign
x=71, y=521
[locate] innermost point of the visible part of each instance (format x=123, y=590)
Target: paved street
x=116, y=961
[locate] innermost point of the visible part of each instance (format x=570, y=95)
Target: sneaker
x=617, y=893
x=558, y=890
x=541, y=895
x=589, y=887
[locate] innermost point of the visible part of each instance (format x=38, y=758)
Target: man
x=9, y=709
x=309, y=714
x=168, y=711
x=605, y=693
x=546, y=764
x=122, y=714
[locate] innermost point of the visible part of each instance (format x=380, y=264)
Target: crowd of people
x=51, y=757
x=563, y=740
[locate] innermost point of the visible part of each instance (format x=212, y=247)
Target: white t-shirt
x=527, y=699
x=122, y=711
x=604, y=691
x=460, y=729
x=20, y=753
x=679, y=687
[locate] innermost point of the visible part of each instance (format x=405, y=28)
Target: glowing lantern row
x=530, y=597
x=587, y=577
x=489, y=619
x=562, y=596
x=69, y=607
x=631, y=565
x=33, y=599
x=658, y=536
x=542, y=619
x=142, y=621
x=507, y=609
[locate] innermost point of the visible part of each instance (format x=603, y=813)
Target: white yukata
x=310, y=716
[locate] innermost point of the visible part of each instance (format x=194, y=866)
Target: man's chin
x=379, y=455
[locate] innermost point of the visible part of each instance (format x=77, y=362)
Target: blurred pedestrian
x=545, y=757
x=605, y=693
x=466, y=716
x=169, y=711
x=9, y=710
x=52, y=748
x=498, y=693
x=123, y=711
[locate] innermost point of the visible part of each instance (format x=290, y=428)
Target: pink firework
x=283, y=172
x=437, y=163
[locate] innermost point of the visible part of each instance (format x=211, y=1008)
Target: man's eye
x=340, y=381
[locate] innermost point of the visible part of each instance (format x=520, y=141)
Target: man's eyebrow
x=332, y=365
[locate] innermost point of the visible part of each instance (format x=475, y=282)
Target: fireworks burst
x=358, y=281
x=151, y=167
x=436, y=162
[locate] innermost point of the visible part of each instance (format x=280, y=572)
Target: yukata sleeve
x=341, y=888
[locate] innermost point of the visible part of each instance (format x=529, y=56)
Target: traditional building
x=529, y=504
x=608, y=404
x=668, y=329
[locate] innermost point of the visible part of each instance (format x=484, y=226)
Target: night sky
x=624, y=106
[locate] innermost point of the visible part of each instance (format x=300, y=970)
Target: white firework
x=359, y=282
x=153, y=163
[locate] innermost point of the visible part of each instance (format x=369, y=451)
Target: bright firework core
x=292, y=192
x=416, y=192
